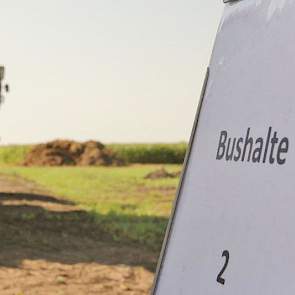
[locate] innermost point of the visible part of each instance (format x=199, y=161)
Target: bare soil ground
x=49, y=246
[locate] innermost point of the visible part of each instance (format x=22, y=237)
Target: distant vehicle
x=5, y=87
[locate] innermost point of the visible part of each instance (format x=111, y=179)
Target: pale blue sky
x=113, y=70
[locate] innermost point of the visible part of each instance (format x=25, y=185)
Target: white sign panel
x=233, y=230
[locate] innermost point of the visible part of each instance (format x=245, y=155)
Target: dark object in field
x=71, y=153
x=162, y=173
x=3, y=88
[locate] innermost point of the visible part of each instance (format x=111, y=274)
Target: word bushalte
x=270, y=149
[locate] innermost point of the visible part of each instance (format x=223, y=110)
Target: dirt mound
x=162, y=173
x=71, y=153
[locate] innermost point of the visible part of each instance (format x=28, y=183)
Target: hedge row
x=130, y=153
x=151, y=153
x=13, y=154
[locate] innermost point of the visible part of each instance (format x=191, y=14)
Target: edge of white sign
x=185, y=165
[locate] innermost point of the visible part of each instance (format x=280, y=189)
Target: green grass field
x=122, y=202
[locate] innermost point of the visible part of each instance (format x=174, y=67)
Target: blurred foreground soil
x=49, y=246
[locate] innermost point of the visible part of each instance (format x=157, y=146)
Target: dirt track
x=49, y=246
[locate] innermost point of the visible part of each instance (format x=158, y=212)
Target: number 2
x=220, y=279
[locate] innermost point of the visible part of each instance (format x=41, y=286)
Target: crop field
x=84, y=230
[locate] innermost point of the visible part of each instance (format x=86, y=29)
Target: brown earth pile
x=162, y=173
x=71, y=153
